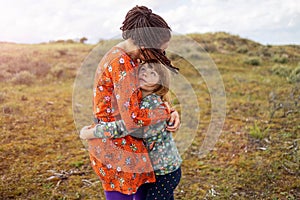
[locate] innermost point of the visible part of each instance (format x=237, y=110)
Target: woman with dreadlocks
x=123, y=164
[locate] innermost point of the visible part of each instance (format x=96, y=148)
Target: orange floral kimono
x=122, y=164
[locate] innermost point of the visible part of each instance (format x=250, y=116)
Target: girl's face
x=148, y=77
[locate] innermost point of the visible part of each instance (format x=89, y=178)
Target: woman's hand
x=174, y=121
x=167, y=105
x=87, y=132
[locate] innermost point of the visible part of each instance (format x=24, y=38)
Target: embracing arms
x=117, y=129
x=119, y=75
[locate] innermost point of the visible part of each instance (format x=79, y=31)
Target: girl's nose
x=144, y=74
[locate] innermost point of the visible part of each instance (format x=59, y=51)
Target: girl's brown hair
x=149, y=30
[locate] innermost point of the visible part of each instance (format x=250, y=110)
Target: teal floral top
x=162, y=149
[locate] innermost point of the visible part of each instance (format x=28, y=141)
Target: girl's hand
x=87, y=132
x=174, y=121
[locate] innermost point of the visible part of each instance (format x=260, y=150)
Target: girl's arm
x=115, y=129
x=87, y=132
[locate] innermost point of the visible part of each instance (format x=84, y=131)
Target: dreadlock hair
x=149, y=30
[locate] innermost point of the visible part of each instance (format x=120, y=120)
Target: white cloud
x=253, y=19
x=32, y=21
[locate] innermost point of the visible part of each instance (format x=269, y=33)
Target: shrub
x=210, y=47
x=281, y=70
x=70, y=41
x=62, y=52
x=242, y=49
x=294, y=76
x=2, y=97
x=24, y=78
x=83, y=40
x=26, y=62
x=57, y=71
x=195, y=56
x=4, y=75
x=255, y=61
x=280, y=59
x=59, y=41
x=11, y=108
x=40, y=68
x=265, y=51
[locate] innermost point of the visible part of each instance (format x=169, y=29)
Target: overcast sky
x=35, y=21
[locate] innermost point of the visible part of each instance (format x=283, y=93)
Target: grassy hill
x=257, y=155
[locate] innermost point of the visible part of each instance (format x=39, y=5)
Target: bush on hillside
x=4, y=75
x=40, y=68
x=281, y=70
x=2, y=97
x=210, y=48
x=83, y=40
x=264, y=51
x=295, y=75
x=23, y=78
x=255, y=61
x=27, y=63
x=57, y=71
x=62, y=52
x=280, y=59
x=242, y=49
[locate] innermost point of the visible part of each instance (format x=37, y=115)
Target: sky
x=32, y=21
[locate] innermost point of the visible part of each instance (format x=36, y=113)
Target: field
x=257, y=155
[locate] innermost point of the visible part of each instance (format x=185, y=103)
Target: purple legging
x=163, y=188
x=139, y=195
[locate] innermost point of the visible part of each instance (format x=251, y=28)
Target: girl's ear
x=143, y=47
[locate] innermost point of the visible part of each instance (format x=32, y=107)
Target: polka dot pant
x=164, y=186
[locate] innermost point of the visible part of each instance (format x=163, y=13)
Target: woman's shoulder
x=117, y=56
x=116, y=53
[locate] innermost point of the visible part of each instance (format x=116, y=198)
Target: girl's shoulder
x=152, y=99
x=152, y=96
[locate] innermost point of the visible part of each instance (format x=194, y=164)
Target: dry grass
x=256, y=157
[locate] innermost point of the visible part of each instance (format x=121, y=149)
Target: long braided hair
x=149, y=30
